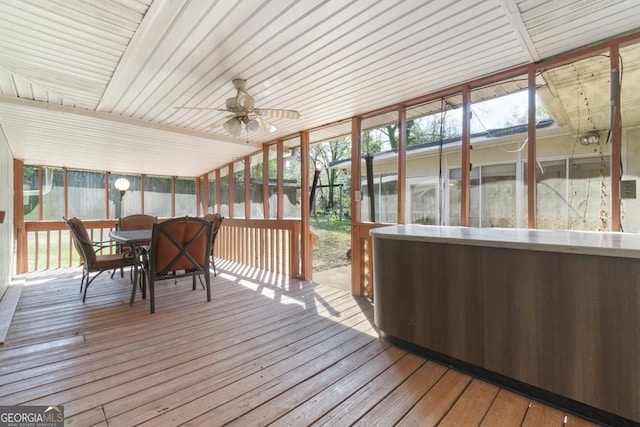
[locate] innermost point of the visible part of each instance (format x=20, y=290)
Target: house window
x=423, y=201
x=492, y=196
x=571, y=194
x=497, y=201
x=380, y=143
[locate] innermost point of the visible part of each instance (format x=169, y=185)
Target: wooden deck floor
x=265, y=351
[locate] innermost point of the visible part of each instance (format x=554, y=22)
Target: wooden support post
x=357, y=286
x=402, y=163
x=531, y=150
x=18, y=217
x=466, y=157
x=616, y=139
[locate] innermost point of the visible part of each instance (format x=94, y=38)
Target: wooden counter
x=559, y=311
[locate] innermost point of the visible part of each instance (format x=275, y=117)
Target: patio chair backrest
x=81, y=240
x=216, y=222
x=137, y=222
x=180, y=244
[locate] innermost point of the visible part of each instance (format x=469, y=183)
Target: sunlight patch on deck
x=269, y=293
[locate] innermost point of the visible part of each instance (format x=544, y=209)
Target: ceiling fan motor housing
x=233, y=105
x=244, y=114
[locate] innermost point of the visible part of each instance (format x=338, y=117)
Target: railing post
x=18, y=217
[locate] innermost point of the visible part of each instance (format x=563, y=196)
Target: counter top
x=626, y=245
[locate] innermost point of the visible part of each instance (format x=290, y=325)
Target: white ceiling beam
x=155, y=22
x=515, y=18
x=116, y=119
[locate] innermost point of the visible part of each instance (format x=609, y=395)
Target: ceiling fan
x=244, y=114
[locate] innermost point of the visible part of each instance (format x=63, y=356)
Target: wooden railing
x=49, y=243
x=267, y=244
x=362, y=259
x=272, y=245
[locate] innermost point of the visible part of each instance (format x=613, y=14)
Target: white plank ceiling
x=94, y=83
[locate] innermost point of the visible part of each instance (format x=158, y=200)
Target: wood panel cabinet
x=564, y=322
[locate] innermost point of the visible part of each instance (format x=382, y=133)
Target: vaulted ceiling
x=95, y=83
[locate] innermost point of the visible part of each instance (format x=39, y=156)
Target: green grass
x=334, y=240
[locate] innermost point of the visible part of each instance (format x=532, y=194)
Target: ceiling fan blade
x=265, y=125
x=199, y=108
x=276, y=113
x=245, y=100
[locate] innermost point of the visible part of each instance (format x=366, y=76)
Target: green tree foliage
x=322, y=155
x=31, y=181
x=421, y=130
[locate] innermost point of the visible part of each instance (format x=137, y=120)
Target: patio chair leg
x=207, y=279
x=133, y=293
x=84, y=296
x=143, y=284
x=152, y=295
x=82, y=281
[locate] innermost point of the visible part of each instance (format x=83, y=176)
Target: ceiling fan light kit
x=252, y=125
x=244, y=114
x=233, y=126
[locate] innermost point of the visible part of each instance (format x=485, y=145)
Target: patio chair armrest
x=103, y=245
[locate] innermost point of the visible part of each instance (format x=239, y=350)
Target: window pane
x=255, y=171
x=498, y=201
x=52, y=193
x=423, y=201
x=551, y=195
x=572, y=199
x=433, y=130
x=330, y=190
x=379, y=179
x=292, y=179
x=455, y=197
x=499, y=126
x=87, y=194
x=224, y=191
x=127, y=203
x=588, y=198
x=238, y=190
x=212, y=194
x=31, y=192
x=273, y=179
x=203, y=195
x=630, y=207
x=185, y=196
x=576, y=97
x=434, y=138
x=157, y=196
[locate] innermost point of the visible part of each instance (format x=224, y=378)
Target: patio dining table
x=136, y=240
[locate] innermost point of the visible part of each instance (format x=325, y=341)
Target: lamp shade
x=121, y=184
x=233, y=126
x=252, y=125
